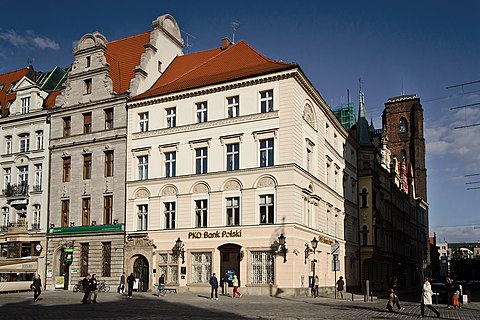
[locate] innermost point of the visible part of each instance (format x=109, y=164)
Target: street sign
x=335, y=247
x=335, y=265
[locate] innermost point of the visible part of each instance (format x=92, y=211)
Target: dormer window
x=160, y=66
x=88, y=86
x=88, y=62
x=25, y=105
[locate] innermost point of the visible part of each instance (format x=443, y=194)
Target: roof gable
x=213, y=66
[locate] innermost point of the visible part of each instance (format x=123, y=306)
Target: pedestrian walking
x=395, y=291
x=226, y=281
x=214, y=284
x=450, y=290
x=130, y=282
x=161, y=285
x=93, y=284
x=36, y=286
x=340, y=286
x=121, y=286
x=316, y=282
x=391, y=300
x=86, y=288
x=426, y=299
x=235, y=286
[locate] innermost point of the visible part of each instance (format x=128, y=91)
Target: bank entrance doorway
x=141, y=273
x=230, y=257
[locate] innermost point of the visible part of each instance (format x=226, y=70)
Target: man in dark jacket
x=130, y=282
x=86, y=288
x=36, y=286
x=214, y=284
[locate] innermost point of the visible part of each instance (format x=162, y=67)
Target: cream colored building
x=226, y=152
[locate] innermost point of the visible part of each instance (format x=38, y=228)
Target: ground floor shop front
x=264, y=263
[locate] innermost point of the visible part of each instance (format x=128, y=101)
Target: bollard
x=371, y=296
x=352, y=296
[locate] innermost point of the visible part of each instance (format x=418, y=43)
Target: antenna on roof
x=188, y=45
x=235, y=26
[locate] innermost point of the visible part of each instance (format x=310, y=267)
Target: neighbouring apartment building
x=235, y=164
x=88, y=141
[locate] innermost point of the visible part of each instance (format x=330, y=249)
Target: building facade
x=235, y=164
x=88, y=141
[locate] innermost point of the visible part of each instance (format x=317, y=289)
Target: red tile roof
x=212, y=67
x=49, y=102
x=7, y=79
x=123, y=56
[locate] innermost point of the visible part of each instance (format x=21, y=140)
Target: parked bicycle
x=78, y=287
x=102, y=286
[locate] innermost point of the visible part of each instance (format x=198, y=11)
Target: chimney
x=226, y=43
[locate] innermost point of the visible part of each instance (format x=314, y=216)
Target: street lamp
x=179, y=249
x=282, y=247
x=308, y=251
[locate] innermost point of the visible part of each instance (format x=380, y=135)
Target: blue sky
x=395, y=47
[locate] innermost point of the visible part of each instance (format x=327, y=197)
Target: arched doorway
x=141, y=272
x=230, y=257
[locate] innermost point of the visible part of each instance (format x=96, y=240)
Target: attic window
x=88, y=62
x=160, y=66
x=11, y=86
x=88, y=86
x=2, y=85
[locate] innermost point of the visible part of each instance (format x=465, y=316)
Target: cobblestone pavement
x=66, y=305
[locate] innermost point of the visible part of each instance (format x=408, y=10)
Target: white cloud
x=455, y=234
x=28, y=39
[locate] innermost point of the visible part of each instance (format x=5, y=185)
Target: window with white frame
x=171, y=117
x=36, y=216
x=233, y=106
x=168, y=265
x=201, y=111
x=266, y=152
x=170, y=164
x=170, y=215
x=5, y=216
x=21, y=215
x=24, y=142
x=233, y=211
x=262, y=265
x=143, y=121
x=201, y=160
x=8, y=144
x=38, y=177
x=7, y=177
x=22, y=175
x=142, y=217
x=266, y=101
x=201, y=213
x=39, y=139
x=201, y=267
x=25, y=105
x=233, y=156
x=142, y=167
x=266, y=209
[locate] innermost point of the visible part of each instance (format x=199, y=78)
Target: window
x=201, y=212
x=66, y=169
x=266, y=152
x=402, y=125
x=65, y=213
x=24, y=142
x=107, y=209
x=67, y=126
x=169, y=215
x=84, y=248
x=86, y=211
x=170, y=164
x=364, y=198
x=108, y=163
x=7, y=177
x=171, y=117
x=142, y=217
x=87, y=122
x=262, y=267
x=38, y=178
x=143, y=121
x=233, y=156
x=266, y=101
x=168, y=265
x=88, y=86
x=233, y=107
x=106, y=258
x=8, y=144
x=108, y=119
x=36, y=217
x=25, y=105
x=201, y=267
x=233, y=211
x=201, y=160
x=201, y=112
x=22, y=176
x=88, y=61
x=403, y=155
x=142, y=167
x=266, y=209
x=87, y=166
x=39, y=139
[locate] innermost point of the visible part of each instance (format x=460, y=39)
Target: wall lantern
x=179, y=249
x=308, y=250
x=282, y=247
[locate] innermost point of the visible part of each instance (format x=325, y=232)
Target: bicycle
x=78, y=287
x=102, y=286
